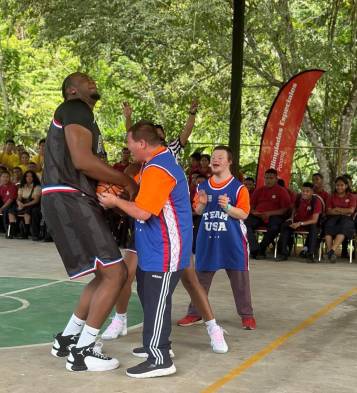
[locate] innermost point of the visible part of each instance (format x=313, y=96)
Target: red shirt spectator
x=124, y=162
x=8, y=191
x=270, y=198
x=206, y=172
x=306, y=208
x=345, y=202
x=324, y=195
x=121, y=166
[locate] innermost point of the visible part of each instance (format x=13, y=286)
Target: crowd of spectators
x=275, y=208
x=20, y=191
x=280, y=213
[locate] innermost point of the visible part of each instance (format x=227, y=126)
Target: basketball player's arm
x=130, y=208
x=186, y=132
x=127, y=112
x=155, y=188
x=79, y=142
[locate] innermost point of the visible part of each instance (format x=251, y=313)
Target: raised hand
x=194, y=106
x=127, y=110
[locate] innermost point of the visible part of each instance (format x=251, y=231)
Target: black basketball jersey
x=58, y=165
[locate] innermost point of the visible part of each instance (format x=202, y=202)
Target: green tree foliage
x=158, y=55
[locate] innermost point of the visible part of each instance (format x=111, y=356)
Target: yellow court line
x=278, y=342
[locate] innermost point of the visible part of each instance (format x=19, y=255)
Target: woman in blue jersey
x=223, y=202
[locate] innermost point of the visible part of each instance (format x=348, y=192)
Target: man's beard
x=95, y=96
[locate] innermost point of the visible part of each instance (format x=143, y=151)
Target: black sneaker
x=303, y=254
x=310, y=258
x=90, y=358
x=141, y=353
x=63, y=344
x=331, y=256
x=150, y=370
x=281, y=258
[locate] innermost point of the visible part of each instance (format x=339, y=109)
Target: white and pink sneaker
x=218, y=343
x=118, y=327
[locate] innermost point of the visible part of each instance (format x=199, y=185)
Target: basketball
x=110, y=188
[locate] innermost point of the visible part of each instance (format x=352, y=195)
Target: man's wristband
x=227, y=207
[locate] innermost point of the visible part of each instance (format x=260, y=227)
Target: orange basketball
x=110, y=188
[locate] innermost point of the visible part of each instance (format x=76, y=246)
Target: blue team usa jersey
x=164, y=242
x=221, y=240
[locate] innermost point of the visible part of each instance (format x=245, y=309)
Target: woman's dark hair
x=196, y=156
x=36, y=180
x=206, y=156
x=344, y=180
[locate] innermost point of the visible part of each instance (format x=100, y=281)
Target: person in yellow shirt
x=9, y=157
x=38, y=159
x=24, y=161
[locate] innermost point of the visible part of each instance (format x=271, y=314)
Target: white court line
x=47, y=285
x=24, y=304
x=35, y=287
x=51, y=343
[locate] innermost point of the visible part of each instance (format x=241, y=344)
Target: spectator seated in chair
x=205, y=168
x=24, y=161
x=29, y=204
x=344, y=253
x=305, y=217
x=124, y=161
x=8, y=195
x=249, y=182
x=269, y=206
x=16, y=176
x=339, y=224
x=318, y=182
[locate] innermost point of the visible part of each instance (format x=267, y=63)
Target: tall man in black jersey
x=76, y=222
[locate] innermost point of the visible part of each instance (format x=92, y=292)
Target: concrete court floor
x=320, y=358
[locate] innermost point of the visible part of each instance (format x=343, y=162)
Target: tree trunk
x=3, y=89
x=346, y=128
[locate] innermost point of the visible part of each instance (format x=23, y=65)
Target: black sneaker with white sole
x=90, y=358
x=63, y=344
x=141, y=353
x=150, y=370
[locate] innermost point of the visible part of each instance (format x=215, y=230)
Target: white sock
x=121, y=317
x=87, y=336
x=74, y=326
x=211, y=324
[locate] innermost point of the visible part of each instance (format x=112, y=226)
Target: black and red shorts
x=79, y=229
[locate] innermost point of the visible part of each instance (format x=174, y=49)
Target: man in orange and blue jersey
x=163, y=237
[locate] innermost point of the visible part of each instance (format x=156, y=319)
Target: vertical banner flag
x=283, y=124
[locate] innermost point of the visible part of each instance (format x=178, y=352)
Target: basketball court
x=305, y=340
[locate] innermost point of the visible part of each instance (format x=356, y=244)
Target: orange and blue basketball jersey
x=164, y=241
x=221, y=240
